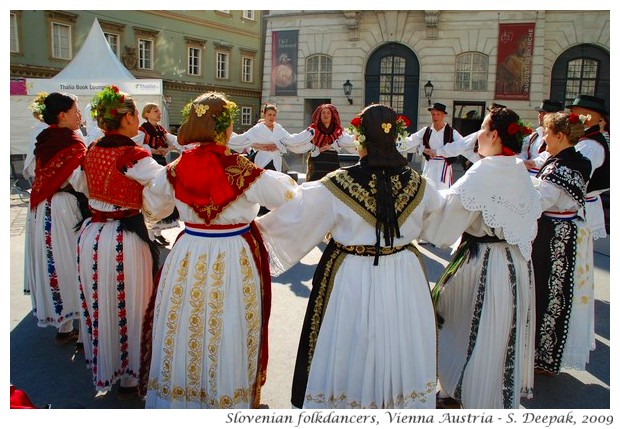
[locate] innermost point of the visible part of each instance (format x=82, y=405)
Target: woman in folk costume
x=266, y=137
x=564, y=296
x=159, y=142
x=209, y=347
x=368, y=338
x=323, y=140
x=56, y=207
x=116, y=259
x=485, y=297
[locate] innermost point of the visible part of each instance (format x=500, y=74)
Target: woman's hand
x=269, y=147
x=430, y=152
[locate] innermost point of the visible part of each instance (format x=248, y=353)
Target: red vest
x=106, y=183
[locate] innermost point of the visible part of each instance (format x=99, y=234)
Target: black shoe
x=67, y=337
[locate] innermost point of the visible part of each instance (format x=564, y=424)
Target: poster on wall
x=284, y=62
x=514, y=61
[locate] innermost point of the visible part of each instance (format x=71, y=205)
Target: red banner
x=514, y=61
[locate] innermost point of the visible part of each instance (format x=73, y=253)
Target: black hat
x=438, y=106
x=590, y=102
x=550, y=106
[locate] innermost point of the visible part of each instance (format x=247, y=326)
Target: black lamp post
x=348, y=89
x=428, y=91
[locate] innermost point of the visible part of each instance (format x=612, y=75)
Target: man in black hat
x=428, y=140
x=534, y=145
x=593, y=146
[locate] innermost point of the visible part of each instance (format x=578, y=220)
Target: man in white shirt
x=437, y=168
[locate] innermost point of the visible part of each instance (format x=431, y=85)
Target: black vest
x=600, y=178
x=448, y=137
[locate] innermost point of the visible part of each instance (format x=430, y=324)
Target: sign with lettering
x=86, y=87
x=284, y=62
x=514, y=61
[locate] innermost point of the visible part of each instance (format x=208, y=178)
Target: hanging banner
x=514, y=61
x=284, y=62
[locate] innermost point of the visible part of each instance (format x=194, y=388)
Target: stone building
x=467, y=58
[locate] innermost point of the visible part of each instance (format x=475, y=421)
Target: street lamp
x=348, y=89
x=428, y=91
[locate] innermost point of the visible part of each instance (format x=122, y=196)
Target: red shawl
x=209, y=180
x=58, y=152
x=325, y=136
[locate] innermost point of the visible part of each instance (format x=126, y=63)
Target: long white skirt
x=116, y=282
x=595, y=216
x=486, y=344
x=206, y=326
x=581, y=334
x=376, y=345
x=50, y=260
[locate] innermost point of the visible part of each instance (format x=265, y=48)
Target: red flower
x=114, y=88
x=356, y=122
x=513, y=129
x=573, y=119
x=122, y=99
x=404, y=119
x=113, y=112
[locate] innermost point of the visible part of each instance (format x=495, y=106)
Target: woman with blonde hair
x=159, y=142
x=211, y=312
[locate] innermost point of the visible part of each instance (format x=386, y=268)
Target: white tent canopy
x=92, y=68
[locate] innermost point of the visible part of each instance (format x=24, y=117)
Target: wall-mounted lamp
x=428, y=91
x=348, y=89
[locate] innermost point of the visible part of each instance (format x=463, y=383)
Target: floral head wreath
x=223, y=119
x=520, y=129
x=37, y=107
x=401, y=124
x=106, y=103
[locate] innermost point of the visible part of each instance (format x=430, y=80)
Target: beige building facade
x=465, y=57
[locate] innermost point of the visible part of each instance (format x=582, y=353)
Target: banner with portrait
x=284, y=62
x=514, y=61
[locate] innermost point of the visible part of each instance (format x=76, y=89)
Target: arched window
x=581, y=69
x=319, y=72
x=472, y=70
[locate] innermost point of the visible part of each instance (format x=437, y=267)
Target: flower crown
x=223, y=119
x=106, y=103
x=520, y=129
x=400, y=125
x=37, y=107
x=574, y=118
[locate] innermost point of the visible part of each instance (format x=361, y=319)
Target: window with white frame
x=222, y=62
x=14, y=34
x=472, y=70
x=145, y=54
x=248, y=14
x=114, y=42
x=194, y=55
x=319, y=72
x=247, y=69
x=246, y=116
x=61, y=41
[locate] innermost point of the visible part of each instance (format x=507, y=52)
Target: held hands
x=269, y=147
x=430, y=152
